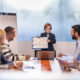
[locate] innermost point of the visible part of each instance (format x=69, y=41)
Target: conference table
x=34, y=69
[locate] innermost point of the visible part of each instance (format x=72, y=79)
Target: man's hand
x=60, y=55
x=76, y=64
x=27, y=57
x=67, y=66
x=19, y=63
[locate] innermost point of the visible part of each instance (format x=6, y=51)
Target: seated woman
x=3, y=59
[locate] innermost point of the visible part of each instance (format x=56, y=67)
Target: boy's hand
x=17, y=65
x=38, y=36
x=49, y=41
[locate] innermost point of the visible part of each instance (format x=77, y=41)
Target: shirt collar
x=78, y=40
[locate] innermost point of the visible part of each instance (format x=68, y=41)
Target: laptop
x=45, y=55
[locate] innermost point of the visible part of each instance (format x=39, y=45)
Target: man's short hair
x=76, y=29
x=9, y=29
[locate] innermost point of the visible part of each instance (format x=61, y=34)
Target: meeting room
x=39, y=39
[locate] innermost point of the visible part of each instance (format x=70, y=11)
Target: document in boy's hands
x=40, y=43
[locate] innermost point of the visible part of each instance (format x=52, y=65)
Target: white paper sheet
x=40, y=43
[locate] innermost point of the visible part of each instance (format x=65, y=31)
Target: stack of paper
x=66, y=58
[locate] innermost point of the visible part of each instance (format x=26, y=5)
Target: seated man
x=16, y=65
x=7, y=53
x=75, y=32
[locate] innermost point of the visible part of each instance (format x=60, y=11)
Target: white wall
x=60, y=47
x=10, y=20
x=26, y=48
x=65, y=47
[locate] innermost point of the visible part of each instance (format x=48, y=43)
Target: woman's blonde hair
x=2, y=34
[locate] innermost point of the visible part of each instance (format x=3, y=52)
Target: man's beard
x=74, y=37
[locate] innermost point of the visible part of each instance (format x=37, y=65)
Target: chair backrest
x=45, y=55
